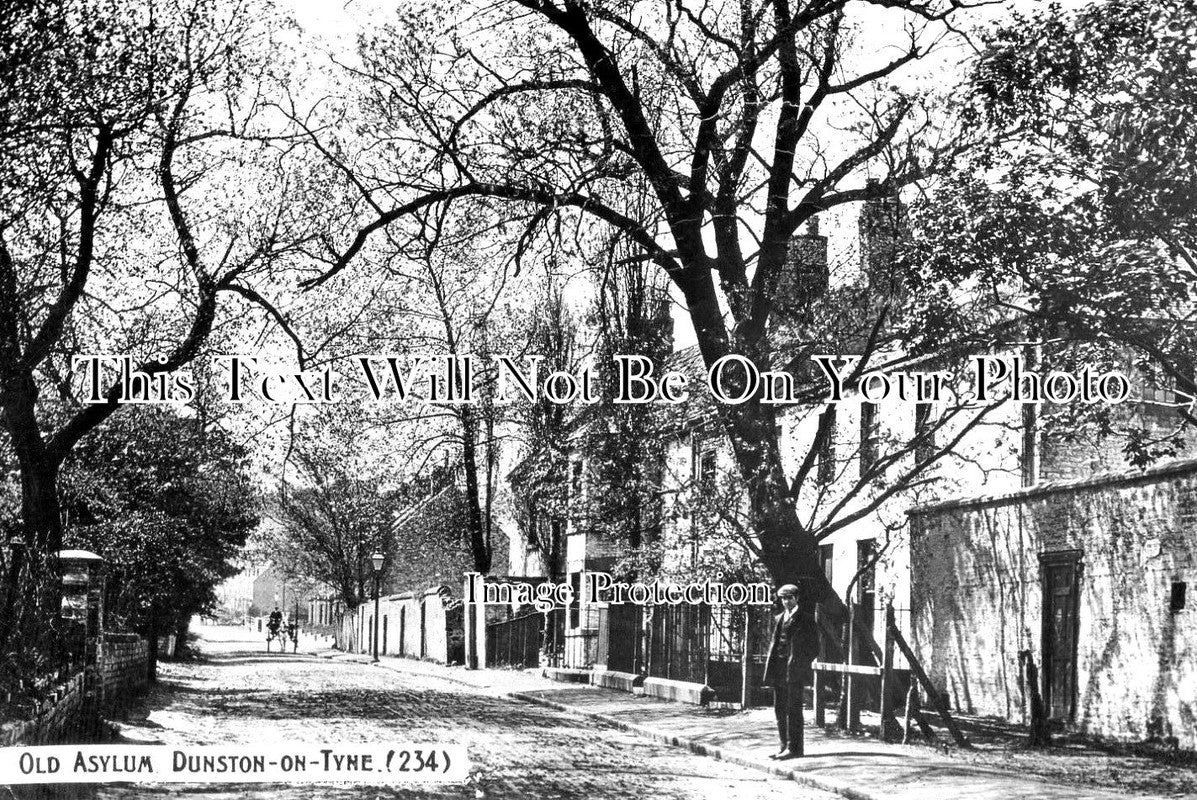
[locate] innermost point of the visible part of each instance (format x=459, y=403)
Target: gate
x=619, y=637
x=515, y=642
x=678, y=642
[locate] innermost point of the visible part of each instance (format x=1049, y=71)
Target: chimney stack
x=804, y=278
x=881, y=225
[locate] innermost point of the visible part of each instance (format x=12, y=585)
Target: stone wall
x=977, y=598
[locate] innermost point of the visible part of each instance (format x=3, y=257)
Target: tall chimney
x=881, y=225
x=804, y=278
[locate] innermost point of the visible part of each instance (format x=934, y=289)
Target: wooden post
x=909, y=709
x=841, y=716
x=816, y=683
x=853, y=698
x=746, y=676
x=933, y=694
x=887, y=674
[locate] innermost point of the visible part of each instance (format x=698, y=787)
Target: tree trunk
x=469, y=459
x=39, y=472
x=152, y=659
x=789, y=552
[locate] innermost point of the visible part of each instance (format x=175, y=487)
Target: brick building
x=431, y=536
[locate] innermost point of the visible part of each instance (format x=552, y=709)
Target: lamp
x=376, y=560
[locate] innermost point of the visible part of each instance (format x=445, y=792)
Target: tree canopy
x=168, y=504
x=1074, y=213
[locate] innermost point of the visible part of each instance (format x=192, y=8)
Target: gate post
x=746, y=676
x=887, y=672
x=82, y=614
x=816, y=683
x=474, y=622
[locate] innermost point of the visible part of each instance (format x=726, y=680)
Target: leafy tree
x=139, y=191
x=331, y=514
x=168, y=503
x=542, y=481
x=623, y=447
x=1075, y=217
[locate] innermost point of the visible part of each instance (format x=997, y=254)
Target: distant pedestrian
x=792, y=646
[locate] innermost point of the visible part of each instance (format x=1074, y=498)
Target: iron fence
x=572, y=637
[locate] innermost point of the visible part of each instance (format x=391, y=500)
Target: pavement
x=856, y=767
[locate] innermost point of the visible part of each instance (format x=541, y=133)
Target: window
x=826, y=552
x=825, y=472
x=533, y=533
x=1161, y=390
x=1161, y=386
x=575, y=602
x=1178, y=596
x=706, y=471
x=923, y=427
x=556, y=546
x=575, y=479
x=868, y=437
x=866, y=584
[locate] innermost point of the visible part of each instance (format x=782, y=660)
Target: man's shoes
x=780, y=753
x=788, y=754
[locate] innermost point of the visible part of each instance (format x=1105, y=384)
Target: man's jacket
x=793, y=645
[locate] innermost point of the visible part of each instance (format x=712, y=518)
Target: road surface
x=238, y=694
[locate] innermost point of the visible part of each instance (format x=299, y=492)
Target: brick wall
x=435, y=542
x=977, y=598
x=52, y=721
x=121, y=669
x=123, y=661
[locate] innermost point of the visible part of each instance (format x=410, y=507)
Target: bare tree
x=743, y=119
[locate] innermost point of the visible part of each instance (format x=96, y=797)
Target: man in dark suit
x=793, y=645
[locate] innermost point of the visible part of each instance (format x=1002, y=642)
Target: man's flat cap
x=787, y=590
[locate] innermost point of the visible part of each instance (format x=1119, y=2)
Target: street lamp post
x=376, y=559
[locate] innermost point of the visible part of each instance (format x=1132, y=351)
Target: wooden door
x=1061, y=581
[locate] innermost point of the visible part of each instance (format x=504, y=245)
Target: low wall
x=121, y=674
x=978, y=599
x=123, y=663
x=52, y=722
x=415, y=625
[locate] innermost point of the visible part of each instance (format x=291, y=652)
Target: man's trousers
x=787, y=705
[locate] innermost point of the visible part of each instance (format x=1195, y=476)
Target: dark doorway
x=424, y=631
x=403, y=631
x=1061, y=573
